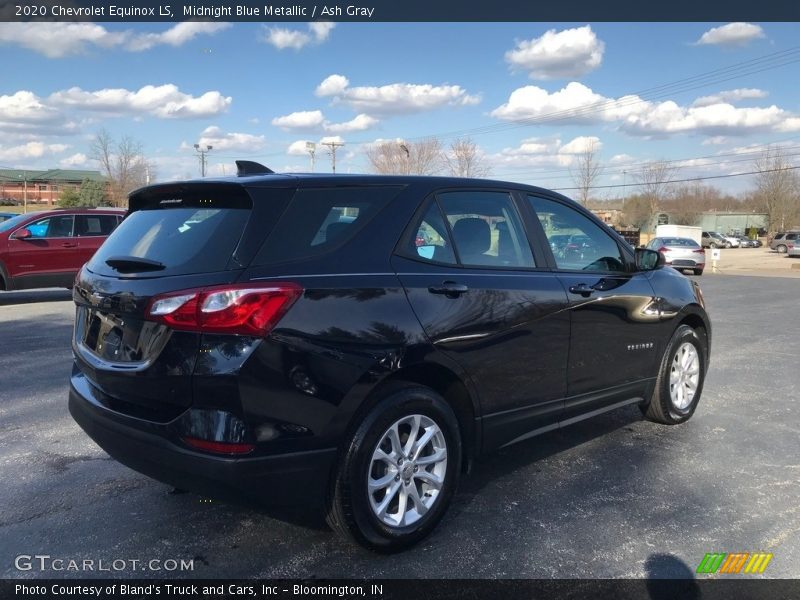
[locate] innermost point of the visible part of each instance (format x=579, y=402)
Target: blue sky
x=531, y=95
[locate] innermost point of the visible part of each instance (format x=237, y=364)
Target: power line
x=682, y=180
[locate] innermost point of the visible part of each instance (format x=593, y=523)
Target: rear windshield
x=321, y=219
x=680, y=242
x=185, y=240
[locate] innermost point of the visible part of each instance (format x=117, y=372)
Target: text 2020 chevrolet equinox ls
x=353, y=341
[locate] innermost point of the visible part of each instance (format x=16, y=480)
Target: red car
x=46, y=249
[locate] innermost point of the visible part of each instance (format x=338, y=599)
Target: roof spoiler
x=248, y=167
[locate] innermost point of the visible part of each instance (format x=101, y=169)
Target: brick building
x=42, y=186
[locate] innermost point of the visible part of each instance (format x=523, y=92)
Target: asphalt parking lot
x=612, y=497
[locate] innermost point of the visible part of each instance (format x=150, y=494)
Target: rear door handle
x=451, y=289
x=582, y=289
x=69, y=245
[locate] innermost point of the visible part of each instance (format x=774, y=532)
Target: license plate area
x=118, y=340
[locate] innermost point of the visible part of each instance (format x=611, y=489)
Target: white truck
x=683, y=231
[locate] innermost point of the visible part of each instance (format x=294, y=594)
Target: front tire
x=680, y=379
x=396, y=477
x=781, y=249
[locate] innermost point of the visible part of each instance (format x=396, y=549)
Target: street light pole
x=311, y=148
x=332, y=146
x=203, y=153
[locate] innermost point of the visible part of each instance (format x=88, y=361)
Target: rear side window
x=486, y=229
x=185, y=239
x=95, y=225
x=321, y=219
x=431, y=239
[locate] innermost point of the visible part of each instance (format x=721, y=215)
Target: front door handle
x=69, y=245
x=582, y=289
x=451, y=289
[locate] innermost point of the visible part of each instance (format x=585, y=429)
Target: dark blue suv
x=352, y=342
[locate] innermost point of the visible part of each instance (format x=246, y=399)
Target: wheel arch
x=444, y=382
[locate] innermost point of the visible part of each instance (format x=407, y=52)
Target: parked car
x=712, y=239
x=680, y=253
x=793, y=251
x=733, y=240
x=223, y=346
x=746, y=242
x=783, y=241
x=47, y=248
x=756, y=243
x=5, y=216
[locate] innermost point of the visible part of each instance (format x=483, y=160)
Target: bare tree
x=123, y=163
x=403, y=158
x=585, y=171
x=777, y=189
x=464, y=159
x=654, y=184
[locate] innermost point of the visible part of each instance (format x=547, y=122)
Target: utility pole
x=203, y=153
x=332, y=146
x=404, y=148
x=311, y=148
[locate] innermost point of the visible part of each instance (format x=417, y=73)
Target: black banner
x=393, y=589
x=397, y=10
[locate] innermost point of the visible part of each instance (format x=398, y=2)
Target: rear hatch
x=177, y=237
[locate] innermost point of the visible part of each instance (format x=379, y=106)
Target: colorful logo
x=736, y=562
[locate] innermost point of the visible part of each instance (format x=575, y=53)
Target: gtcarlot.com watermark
x=47, y=563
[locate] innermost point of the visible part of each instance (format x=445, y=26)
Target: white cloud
x=578, y=104
x=732, y=34
x=177, y=35
x=716, y=140
x=30, y=150
x=76, y=160
x=557, y=54
x=298, y=148
x=581, y=144
x=730, y=96
x=394, y=98
x=542, y=153
x=332, y=138
x=25, y=106
x=162, y=101
x=296, y=39
x=314, y=119
x=219, y=140
x=306, y=119
x=361, y=122
x=56, y=40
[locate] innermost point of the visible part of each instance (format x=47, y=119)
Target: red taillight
x=242, y=309
x=219, y=447
x=700, y=250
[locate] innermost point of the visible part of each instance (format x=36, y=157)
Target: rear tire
x=698, y=272
x=681, y=375
x=373, y=475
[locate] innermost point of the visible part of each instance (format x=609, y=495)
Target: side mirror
x=23, y=234
x=648, y=260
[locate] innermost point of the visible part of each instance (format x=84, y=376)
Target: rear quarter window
x=319, y=220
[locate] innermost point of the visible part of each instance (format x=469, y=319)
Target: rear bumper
x=285, y=480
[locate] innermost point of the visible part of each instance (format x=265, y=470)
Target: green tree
x=69, y=198
x=91, y=193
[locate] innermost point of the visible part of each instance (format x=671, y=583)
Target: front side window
x=486, y=229
x=577, y=242
x=59, y=226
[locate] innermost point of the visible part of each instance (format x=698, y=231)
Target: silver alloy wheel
x=407, y=470
x=684, y=376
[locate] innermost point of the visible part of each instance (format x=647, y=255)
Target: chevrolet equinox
x=352, y=342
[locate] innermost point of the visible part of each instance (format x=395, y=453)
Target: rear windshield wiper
x=134, y=264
